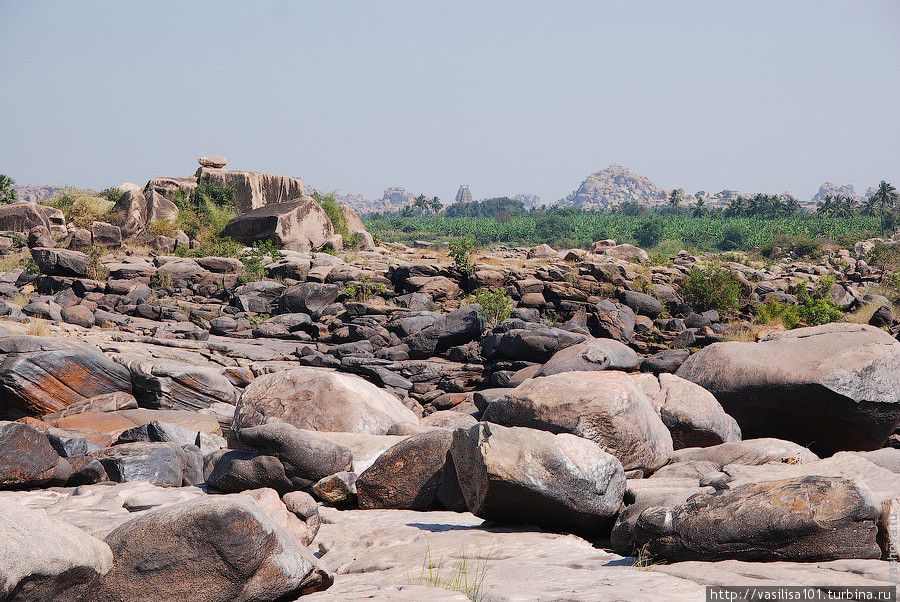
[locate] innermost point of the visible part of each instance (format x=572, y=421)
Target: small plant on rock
x=363, y=289
x=95, y=268
x=712, y=287
x=461, y=250
x=496, y=304
x=256, y=257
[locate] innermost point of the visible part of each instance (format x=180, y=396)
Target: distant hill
x=613, y=186
x=37, y=193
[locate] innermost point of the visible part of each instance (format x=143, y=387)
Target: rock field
x=351, y=426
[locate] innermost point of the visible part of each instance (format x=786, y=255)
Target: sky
x=507, y=96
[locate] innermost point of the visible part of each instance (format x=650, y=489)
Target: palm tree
x=7, y=189
x=885, y=198
x=435, y=205
x=421, y=203
x=736, y=207
x=700, y=207
x=675, y=198
x=826, y=207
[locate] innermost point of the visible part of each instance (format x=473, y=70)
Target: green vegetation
x=255, y=259
x=82, y=207
x=331, y=207
x=204, y=213
x=496, y=304
x=363, y=289
x=800, y=245
x=219, y=247
x=111, y=194
x=461, y=250
x=712, y=287
x=95, y=268
x=649, y=233
x=7, y=191
x=500, y=208
x=573, y=227
x=814, y=303
x=774, y=312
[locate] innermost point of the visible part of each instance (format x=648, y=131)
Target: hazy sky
x=508, y=96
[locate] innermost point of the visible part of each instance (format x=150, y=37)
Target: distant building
x=463, y=195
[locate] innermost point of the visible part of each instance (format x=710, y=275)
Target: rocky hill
x=832, y=189
x=613, y=186
x=36, y=194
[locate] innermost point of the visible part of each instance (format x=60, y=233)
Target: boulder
x=591, y=355
x=525, y=476
x=692, y=414
x=455, y=328
x=39, y=375
x=306, y=456
x=833, y=387
x=214, y=161
x=60, y=262
x=106, y=235
x=162, y=384
x=803, y=519
x=162, y=464
x=291, y=519
x=357, y=230
x=47, y=559
x=612, y=320
x=319, y=400
x=336, y=489
x=534, y=343
x=641, y=303
x=407, y=475
x=252, y=189
x=300, y=225
x=606, y=407
x=210, y=548
x=27, y=459
x=542, y=251
x=309, y=297
x=22, y=217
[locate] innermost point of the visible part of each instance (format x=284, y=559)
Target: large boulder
x=691, y=413
x=306, y=456
x=169, y=385
x=803, y=519
x=530, y=342
x=525, y=476
x=163, y=464
x=46, y=559
x=356, y=228
x=252, y=189
x=407, y=476
x=22, y=217
x=60, y=262
x=208, y=548
x=605, y=407
x=309, y=297
x=455, y=328
x=40, y=375
x=833, y=387
x=591, y=355
x=300, y=225
x=319, y=400
x=27, y=459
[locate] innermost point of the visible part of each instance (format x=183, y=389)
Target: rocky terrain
x=385, y=422
x=613, y=186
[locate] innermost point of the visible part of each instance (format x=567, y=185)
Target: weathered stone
x=407, y=475
x=223, y=548
x=300, y=225
x=525, y=476
x=832, y=387
x=60, y=262
x=320, y=400
x=27, y=459
x=591, y=355
x=46, y=559
x=605, y=407
x=803, y=519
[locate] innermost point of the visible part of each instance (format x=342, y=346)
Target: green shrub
x=649, y=233
x=220, y=247
x=95, y=268
x=81, y=207
x=773, y=311
x=111, y=194
x=712, y=287
x=331, y=207
x=461, y=250
x=733, y=238
x=799, y=245
x=814, y=305
x=204, y=213
x=363, y=289
x=256, y=257
x=496, y=304
x=163, y=227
